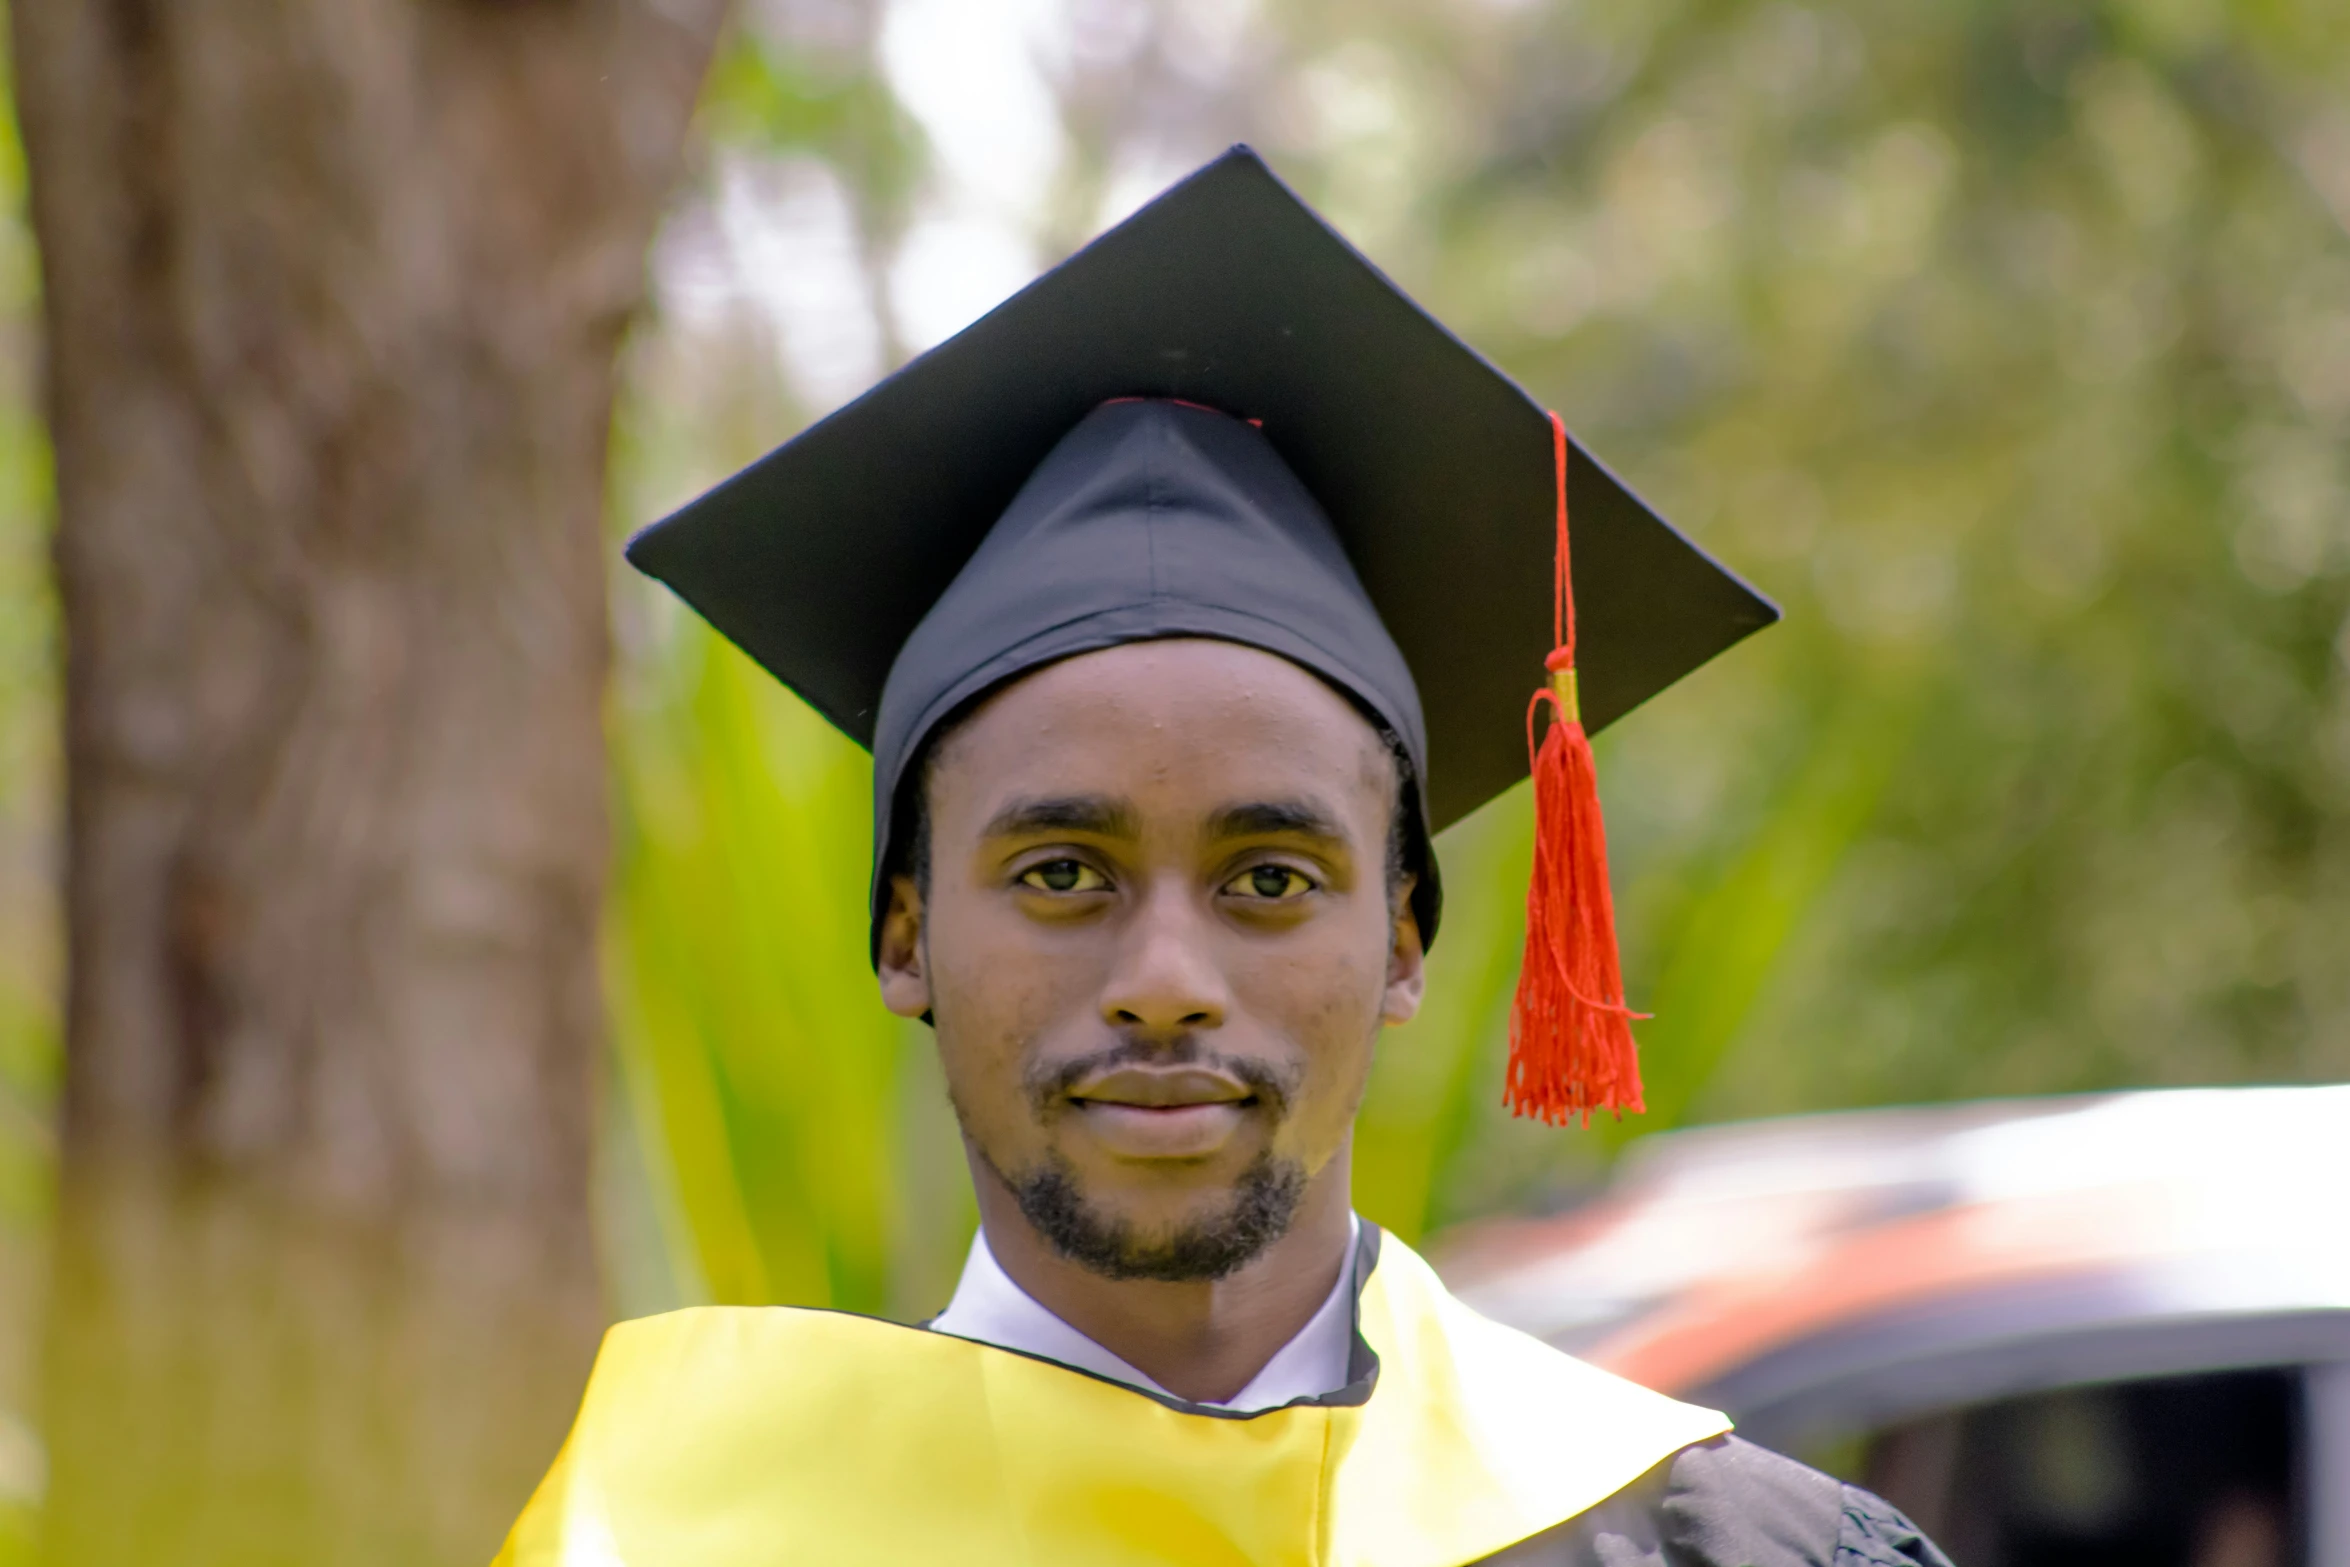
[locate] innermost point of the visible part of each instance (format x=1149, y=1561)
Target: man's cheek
x=1322, y=1004
x=1337, y=1035
x=1002, y=1008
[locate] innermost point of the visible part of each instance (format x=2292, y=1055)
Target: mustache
x=1275, y=1085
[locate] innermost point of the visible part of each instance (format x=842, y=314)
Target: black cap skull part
x=1217, y=419
x=1151, y=519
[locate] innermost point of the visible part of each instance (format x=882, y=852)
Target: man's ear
x=1407, y=960
x=905, y=982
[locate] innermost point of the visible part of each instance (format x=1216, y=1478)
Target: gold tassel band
x=1562, y=686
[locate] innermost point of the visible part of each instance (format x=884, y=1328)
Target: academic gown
x=1729, y=1503
x=733, y=1437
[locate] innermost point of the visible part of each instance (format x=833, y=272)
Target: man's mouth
x=1185, y=1112
x=1162, y=1088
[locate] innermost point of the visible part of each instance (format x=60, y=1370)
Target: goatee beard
x=1263, y=1203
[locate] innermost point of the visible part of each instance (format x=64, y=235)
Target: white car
x=2078, y=1331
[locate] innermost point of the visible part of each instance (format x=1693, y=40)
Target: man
x=1128, y=587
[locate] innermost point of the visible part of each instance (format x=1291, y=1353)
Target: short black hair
x=1407, y=839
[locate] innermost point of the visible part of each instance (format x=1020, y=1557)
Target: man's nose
x=1166, y=982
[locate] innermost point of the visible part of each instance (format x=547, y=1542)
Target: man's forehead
x=1196, y=699
x=1212, y=732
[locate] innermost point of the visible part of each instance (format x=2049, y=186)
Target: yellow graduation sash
x=756, y=1437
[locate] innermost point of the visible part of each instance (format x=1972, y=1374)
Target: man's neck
x=1202, y=1341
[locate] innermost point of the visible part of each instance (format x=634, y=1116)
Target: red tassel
x=1571, y=1049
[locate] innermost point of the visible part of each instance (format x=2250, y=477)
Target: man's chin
x=1208, y=1237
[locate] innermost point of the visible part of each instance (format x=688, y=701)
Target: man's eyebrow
x=1276, y=819
x=1094, y=815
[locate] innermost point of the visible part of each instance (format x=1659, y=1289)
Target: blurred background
x=448, y=974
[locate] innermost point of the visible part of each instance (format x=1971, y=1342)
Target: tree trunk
x=332, y=291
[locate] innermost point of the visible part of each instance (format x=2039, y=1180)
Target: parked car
x=2079, y=1331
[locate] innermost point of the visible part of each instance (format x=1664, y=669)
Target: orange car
x=2078, y=1331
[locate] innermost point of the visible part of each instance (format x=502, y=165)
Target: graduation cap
x=1219, y=419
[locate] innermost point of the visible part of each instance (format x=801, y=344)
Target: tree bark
x=333, y=290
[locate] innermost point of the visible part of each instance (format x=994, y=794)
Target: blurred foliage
x=785, y=1101
x=762, y=95
x=2008, y=346
x=760, y=1095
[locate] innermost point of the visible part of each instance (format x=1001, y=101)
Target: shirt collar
x=991, y=1309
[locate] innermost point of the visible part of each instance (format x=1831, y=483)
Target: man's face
x=1158, y=942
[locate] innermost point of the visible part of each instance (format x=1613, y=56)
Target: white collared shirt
x=989, y=1308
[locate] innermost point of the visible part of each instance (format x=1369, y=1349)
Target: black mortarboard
x=1013, y=496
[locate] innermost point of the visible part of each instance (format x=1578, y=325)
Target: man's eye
x=1272, y=883
x=1063, y=876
